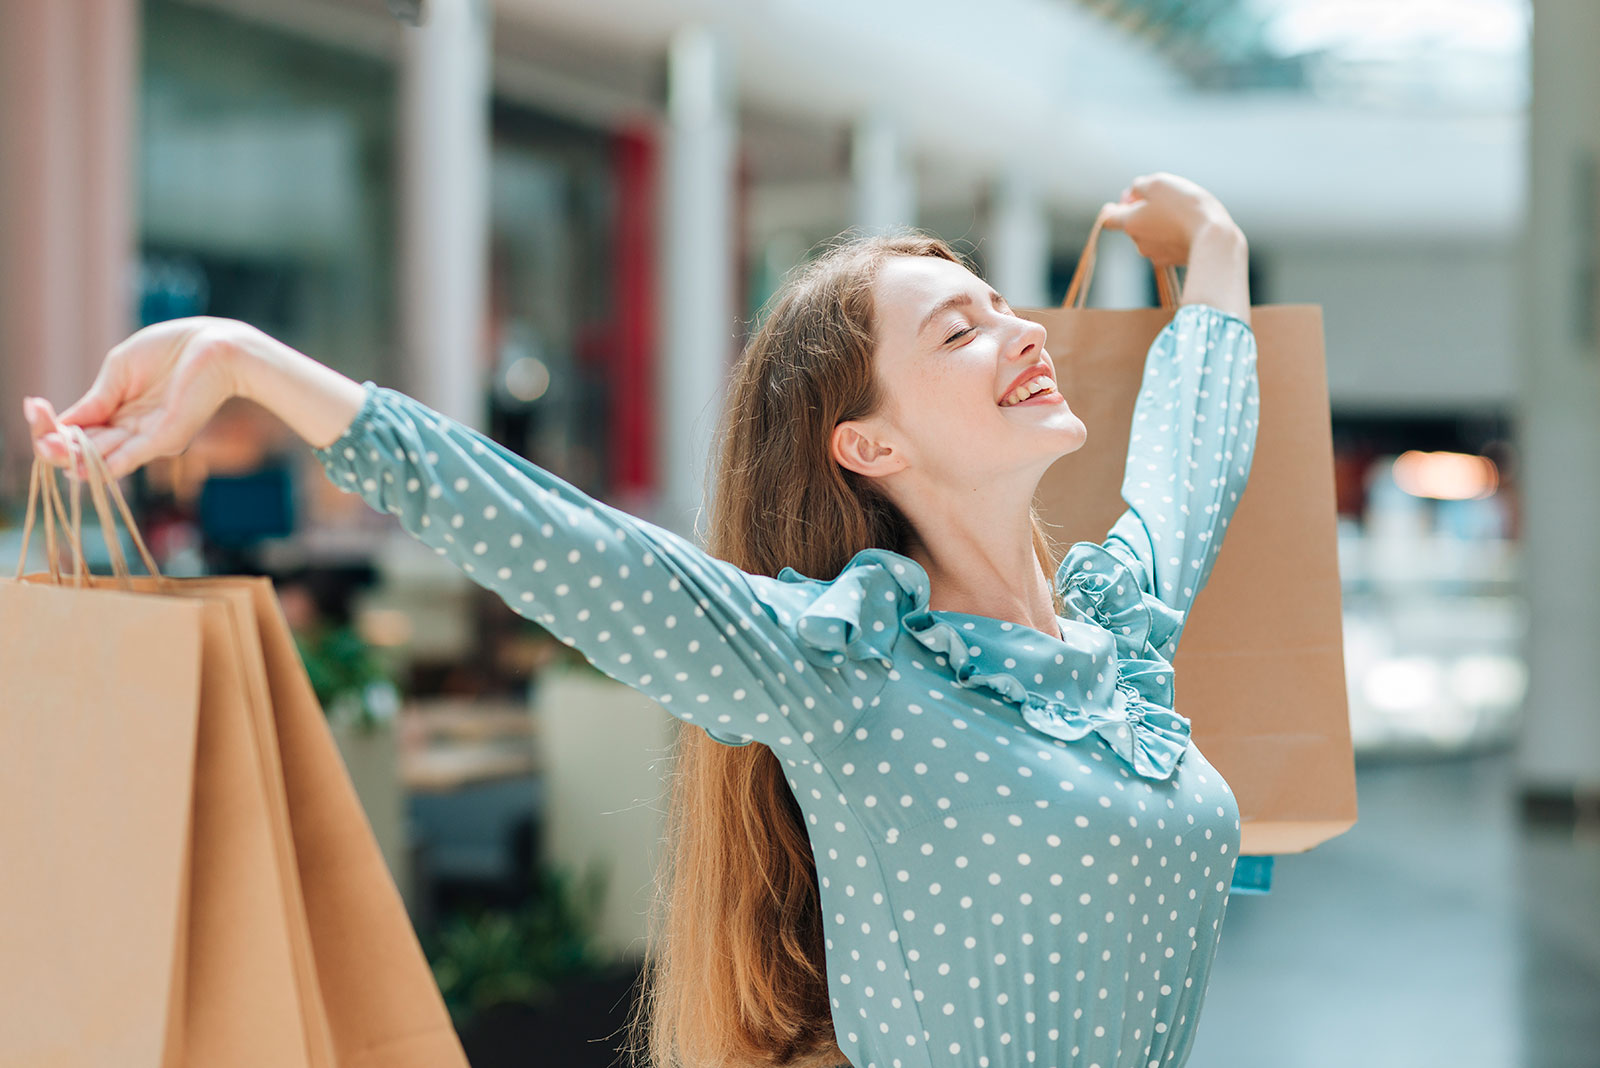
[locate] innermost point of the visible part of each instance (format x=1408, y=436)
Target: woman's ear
x=855, y=447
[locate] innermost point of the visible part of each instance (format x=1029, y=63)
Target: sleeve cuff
x=358, y=426
x=1214, y=310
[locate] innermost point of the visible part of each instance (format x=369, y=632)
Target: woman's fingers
x=106, y=439
x=97, y=406
x=1118, y=214
x=42, y=424
x=58, y=445
x=123, y=449
x=128, y=454
x=92, y=409
x=47, y=428
x=37, y=411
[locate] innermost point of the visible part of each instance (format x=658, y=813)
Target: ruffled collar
x=1104, y=673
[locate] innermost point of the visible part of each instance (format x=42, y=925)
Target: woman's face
x=949, y=352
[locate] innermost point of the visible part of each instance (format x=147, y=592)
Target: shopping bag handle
x=99, y=479
x=35, y=480
x=1078, y=291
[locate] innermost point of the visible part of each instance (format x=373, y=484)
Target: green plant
x=351, y=682
x=482, y=957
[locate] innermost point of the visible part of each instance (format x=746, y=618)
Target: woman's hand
x=153, y=394
x=1163, y=213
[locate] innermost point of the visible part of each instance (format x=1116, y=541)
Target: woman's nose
x=1029, y=339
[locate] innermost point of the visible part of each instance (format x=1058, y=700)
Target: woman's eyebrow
x=960, y=300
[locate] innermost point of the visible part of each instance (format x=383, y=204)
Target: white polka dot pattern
x=714, y=644
x=1022, y=858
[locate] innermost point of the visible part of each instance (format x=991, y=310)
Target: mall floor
x=1439, y=931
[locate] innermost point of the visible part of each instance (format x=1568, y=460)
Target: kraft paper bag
x=1260, y=668
x=200, y=883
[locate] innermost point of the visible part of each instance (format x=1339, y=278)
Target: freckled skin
x=1020, y=850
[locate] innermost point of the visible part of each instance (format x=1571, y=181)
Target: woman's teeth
x=1028, y=389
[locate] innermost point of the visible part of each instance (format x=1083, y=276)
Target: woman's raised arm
x=1195, y=422
x=1190, y=452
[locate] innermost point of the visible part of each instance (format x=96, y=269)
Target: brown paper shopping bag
x=1260, y=669
x=200, y=883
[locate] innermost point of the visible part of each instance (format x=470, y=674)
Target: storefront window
x=552, y=322
x=266, y=185
x=1428, y=560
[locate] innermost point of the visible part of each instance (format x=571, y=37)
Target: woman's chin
x=1045, y=437
x=1048, y=442
x=1062, y=422
x=1067, y=434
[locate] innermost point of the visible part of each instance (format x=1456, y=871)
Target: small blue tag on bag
x=1252, y=875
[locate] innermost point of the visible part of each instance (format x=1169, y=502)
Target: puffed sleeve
x=1189, y=456
x=717, y=646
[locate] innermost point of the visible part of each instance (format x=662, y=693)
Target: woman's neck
x=983, y=563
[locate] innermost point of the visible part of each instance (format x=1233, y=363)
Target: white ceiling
x=1042, y=86
x=1046, y=87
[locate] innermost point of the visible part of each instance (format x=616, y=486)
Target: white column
x=444, y=215
x=1018, y=252
x=698, y=260
x=1559, y=465
x=885, y=185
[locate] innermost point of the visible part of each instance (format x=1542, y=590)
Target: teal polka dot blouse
x=1023, y=858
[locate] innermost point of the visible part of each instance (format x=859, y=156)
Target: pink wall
x=68, y=104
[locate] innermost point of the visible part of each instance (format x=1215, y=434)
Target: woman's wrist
x=311, y=398
x=1218, y=271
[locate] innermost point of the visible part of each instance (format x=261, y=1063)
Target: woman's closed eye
x=1000, y=306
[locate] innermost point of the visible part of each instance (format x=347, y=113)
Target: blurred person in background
x=971, y=829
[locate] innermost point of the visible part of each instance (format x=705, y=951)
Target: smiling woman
x=931, y=803
x=951, y=447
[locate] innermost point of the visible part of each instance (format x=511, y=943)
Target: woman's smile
x=1049, y=396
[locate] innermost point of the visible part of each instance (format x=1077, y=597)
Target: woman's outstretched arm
x=715, y=645
x=316, y=402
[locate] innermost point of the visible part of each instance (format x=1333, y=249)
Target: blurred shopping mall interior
x=556, y=221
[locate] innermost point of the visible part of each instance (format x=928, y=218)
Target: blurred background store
x=554, y=220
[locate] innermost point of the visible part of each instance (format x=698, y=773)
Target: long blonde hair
x=735, y=974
